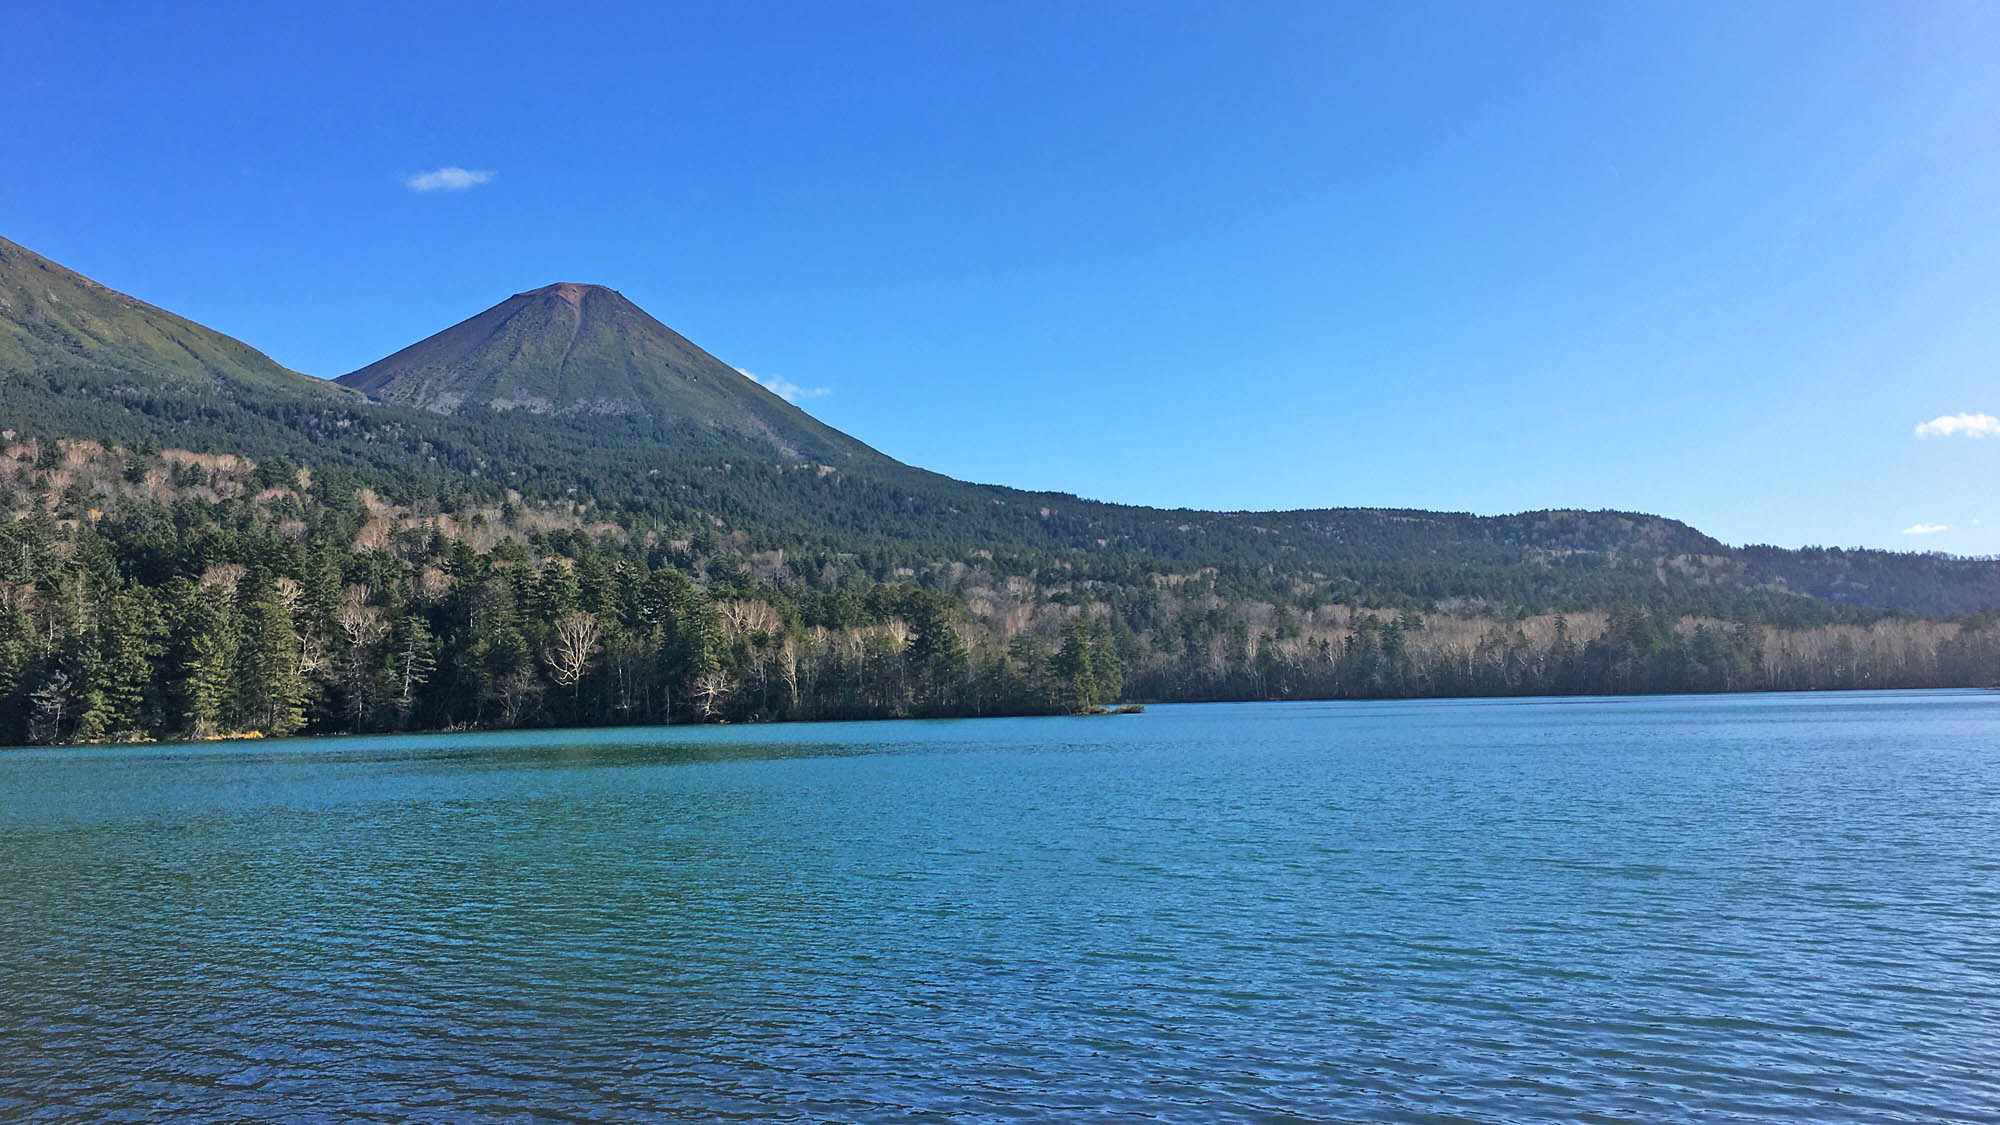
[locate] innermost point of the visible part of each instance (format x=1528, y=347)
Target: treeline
x=164, y=594
x=181, y=626
x=1640, y=651
x=254, y=632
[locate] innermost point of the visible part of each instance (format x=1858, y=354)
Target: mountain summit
x=570, y=349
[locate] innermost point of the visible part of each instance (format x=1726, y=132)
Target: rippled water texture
x=1770, y=907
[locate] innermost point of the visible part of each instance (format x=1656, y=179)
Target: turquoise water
x=1733, y=908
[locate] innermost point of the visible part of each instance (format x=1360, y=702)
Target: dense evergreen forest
x=560, y=511
x=168, y=594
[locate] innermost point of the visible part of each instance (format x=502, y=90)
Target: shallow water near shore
x=1781, y=907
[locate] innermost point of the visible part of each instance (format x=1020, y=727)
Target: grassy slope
x=53, y=320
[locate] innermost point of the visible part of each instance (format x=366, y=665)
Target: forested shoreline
x=165, y=595
x=561, y=511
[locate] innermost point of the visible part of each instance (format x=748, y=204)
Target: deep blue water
x=1729, y=908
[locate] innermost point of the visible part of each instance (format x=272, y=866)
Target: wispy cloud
x=784, y=388
x=1926, y=528
x=447, y=179
x=1971, y=425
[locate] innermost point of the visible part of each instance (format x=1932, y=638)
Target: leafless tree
x=710, y=690
x=361, y=625
x=51, y=707
x=571, y=646
x=516, y=694
x=312, y=655
x=788, y=668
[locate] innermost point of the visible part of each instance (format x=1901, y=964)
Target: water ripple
x=1731, y=909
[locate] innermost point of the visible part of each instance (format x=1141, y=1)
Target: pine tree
x=556, y=592
x=936, y=654
x=17, y=646
x=414, y=656
x=272, y=691
x=1028, y=666
x=691, y=641
x=206, y=642
x=1107, y=668
x=122, y=698
x=1076, y=667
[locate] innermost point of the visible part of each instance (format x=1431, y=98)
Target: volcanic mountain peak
x=573, y=292
x=576, y=349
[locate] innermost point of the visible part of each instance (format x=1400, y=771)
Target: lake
x=1779, y=907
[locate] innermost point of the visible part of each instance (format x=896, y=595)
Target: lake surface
x=1728, y=908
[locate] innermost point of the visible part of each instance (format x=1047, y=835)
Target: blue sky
x=1713, y=261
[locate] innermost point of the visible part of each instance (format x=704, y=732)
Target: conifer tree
x=936, y=653
x=272, y=691
x=691, y=640
x=1076, y=666
x=1107, y=669
x=207, y=638
x=413, y=657
x=17, y=646
x=130, y=638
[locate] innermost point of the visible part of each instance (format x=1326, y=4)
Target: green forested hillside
x=561, y=511
x=626, y=429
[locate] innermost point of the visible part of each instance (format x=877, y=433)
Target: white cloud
x=1926, y=528
x=447, y=179
x=784, y=388
x=1971, y=425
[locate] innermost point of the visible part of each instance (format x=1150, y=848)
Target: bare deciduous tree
x=51, y=702
x=710, y=690
x=788, y=669
x=571, y=646
x=361, y=625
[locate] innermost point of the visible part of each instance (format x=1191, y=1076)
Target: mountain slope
x=570, y=395
x=584, y=356
x=58, y=324
x=560, y=511
x=584, y=350
x=78, y=359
